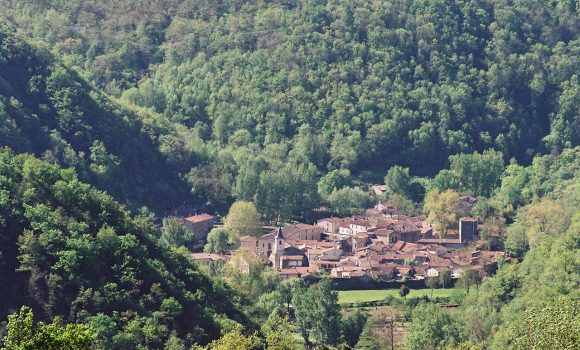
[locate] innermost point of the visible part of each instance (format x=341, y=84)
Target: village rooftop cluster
x=383, y=244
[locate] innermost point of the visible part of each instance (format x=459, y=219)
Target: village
x=382, y=245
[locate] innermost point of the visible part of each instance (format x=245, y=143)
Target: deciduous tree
x=243, y=220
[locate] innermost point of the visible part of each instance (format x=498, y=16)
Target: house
x=432, y=272
x=303, y=232
x=261, y=246
x=329, y=225
x=326, y=254
x=199, y=224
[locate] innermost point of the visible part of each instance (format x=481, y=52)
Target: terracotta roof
x=399, y=245
x=199, y=218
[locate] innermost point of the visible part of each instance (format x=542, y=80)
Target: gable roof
x=199, y=218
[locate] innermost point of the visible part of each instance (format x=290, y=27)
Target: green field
x=357, y=296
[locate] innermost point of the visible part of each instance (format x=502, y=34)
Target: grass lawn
x=357, y=296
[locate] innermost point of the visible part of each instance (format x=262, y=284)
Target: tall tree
x=352, y=327
x=432, y=327
x=398, y=181
x=219, y=239
x=243, y=220
x=442, y=210
x=173, y=234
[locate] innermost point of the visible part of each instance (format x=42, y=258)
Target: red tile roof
x=199, y=218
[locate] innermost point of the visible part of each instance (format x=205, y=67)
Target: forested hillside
x=265, y=89
x=69, y=250
x=47, y=109
x=113, y=112
x=532, y=303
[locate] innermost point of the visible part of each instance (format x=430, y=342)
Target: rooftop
x=199, y=218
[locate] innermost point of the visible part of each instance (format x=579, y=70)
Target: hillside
x=389, y=78
x=48, y=110
x=69, y=250
x=114, y=112
x=269, y=87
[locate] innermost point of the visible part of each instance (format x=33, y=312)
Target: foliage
x=516, y=243
x=477, y=174
x=173, y=234
x=25, y=334
x=317, y=313
x=368, y=339
x=218, y=241
x=277, y=332
x=334, y=180
x=546, y=275
x=445, y=278
x=70, y=250
x=442, y=210
x=49, y=110
x=243, y=219
x=352, y=326
x=404, y=291
x=348, y=201
x=556, y=326
x=432, y=328
x=233, y=340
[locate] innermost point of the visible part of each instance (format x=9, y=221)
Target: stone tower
x=278, y=249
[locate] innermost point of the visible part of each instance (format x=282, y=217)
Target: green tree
x=431, y=327
x=401, y=203
x=555, y=326
x=516, y=243
x=404, y=291
x=348, y=201
x=477, y=173
x=243, y=220
x=287, y=288
x=173, y=234
x=317, y=313
x=544, y=218
x=432, y=282
x=398, y=181
x=327, y=314
x=368, y=340
x=218, y=241
x=492, y=227
x=352, y=326
x=278, y=334
x=332, y=181
x=445, y=278
x=471, y=277
x=23, y=334
x=442, y=210
x=233, y=340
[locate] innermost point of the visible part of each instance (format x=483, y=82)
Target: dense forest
x=114, y=112
x=236, y=95
x=69, y=250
